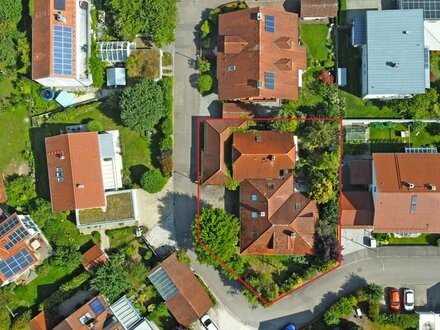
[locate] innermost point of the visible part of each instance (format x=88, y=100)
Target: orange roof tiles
x=237, y=110
x=43, y=20
x=357, y=210
x=43, y=321
x=274, y=219
x=77, y=157
x=3, y=196
x=262, y=154
x=191, y=301
x=94, y=257
x=319, y=8
x=246, y=51
x=399, y=208
x=216, y=134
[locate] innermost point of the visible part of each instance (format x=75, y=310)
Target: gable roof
x=3, y=196
x=43, y=22
x=237, y=110
x=216, y=134
x=76, y=158
x=262, y=154
x=399, y=208
x=42, y=321
x=247, y=51
x=357, y=210
x=94, y=257
x=188, y=301
x=319, y=8
x=283, y=221
x=395, y=52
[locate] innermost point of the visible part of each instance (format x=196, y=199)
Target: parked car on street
x=290, y=326
x=408, y=299
x=394, y=297
x=208, y=323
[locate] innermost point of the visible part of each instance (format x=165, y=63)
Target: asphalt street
x=387, y=266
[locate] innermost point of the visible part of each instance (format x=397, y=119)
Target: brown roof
x=399, y=208
x=357, y=210
x=43, y=321
x=237, y=110
x=94, y=257
x=319, y=8
x=72, y=322
x=262, y=154
x=285, y=220
x=3, y=196
x=360, y=172
x=191, y=301
x=14, y=224
x=246, y=45
x=216, y=137
x=43, y=21
x=77, y=157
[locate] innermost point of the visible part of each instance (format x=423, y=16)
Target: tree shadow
x=193, y=80
x=433, y=297
x=136, y=172
x=110, y=108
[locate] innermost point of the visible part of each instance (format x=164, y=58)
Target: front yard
x=314, y=37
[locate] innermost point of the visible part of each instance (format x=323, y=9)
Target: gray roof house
x=395, y=63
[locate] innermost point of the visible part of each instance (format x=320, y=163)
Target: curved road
x=387, y=266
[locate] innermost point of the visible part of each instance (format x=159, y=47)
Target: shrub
x=166, y=143
x=22, y=321
x=326, y=77
x=148, y=255
x=438, y=242
x=96, y=67
x=167, y=126
x=153, y=181
x=166, y=166
x=213, y=15
x=183, y=258
x=205, y=29
x=206, y=42
x=96, y=237
x=373, y=310
x=403, y=321
x=291, y=283
x=341, y=309
x=204, y=83
x=94, y=126
x=167, y=59
x=375, y=292
x=203, y=65
x=75, y=282
x=232, y=184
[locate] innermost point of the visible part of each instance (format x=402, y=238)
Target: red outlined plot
x=199, y=241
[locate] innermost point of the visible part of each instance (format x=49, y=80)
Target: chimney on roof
x=410, y=185
x=292, y=234
x=432, y=187
x=60, y=18
x=259, y=16
x=258, y=138
x=406, y=31
x=271, y=158
x=79, y=185
x=60, y=154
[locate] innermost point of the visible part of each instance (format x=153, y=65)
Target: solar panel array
x=97, y=307
x=163, y=284
x=16, y=237
x=62, y=49
x=270, y=23
x=16, y=263
x=431, y=8
x=269, y=78
x=8, y=225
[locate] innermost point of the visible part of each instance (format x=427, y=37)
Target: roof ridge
x=285, y=201
x=71, y=170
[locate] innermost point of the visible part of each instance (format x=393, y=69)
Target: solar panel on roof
x=269, y=24
x=8, y=225
x=163, y=284
x=431, y=8
x=16, y=263
x=97, y=307
x=269, y=78
x=62, y=49
x=16, y=237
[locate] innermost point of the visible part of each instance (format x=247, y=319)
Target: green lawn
x=120, y=237
x=423, y=239
x=119, y=207
x=314, y=37
x=418, y=139
x=435, y=64
x=358, y=108
x=14, y=136
x=6, y=87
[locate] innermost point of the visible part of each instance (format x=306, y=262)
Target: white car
x=208, y=323
x=408, y=299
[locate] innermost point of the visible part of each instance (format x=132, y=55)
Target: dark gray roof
x=395, y=52
x=106, y=145
x=431, y=8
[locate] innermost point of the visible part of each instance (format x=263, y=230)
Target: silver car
x=408, y=299
x=208, y=323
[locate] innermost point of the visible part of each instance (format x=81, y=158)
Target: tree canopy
x=219, y=232
x=20, y=191
x=153, y=181
x=142, y=105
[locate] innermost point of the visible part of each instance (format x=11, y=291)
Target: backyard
x=119, y=207
x=420, y=138
x=314, y=37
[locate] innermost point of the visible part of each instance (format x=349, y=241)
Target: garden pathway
x=105, y=241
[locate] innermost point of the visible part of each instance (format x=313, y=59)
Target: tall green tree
x=10, y=16
x=20, y=191
x=320, y=135
x=219, y=232
x=142, y=105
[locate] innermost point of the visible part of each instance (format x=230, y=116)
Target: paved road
x=402, y=266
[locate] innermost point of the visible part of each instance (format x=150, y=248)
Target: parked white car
x=408, y=299
x=208, y=323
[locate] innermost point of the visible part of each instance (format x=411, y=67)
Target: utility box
x=373, y=243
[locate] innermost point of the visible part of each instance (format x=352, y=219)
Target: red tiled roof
x=319, y=8
x=357, y=210
x=43, y=20
x=285, y=222
x=191, y=302
x=399, y=208
x=216, y=136
x=3, y=196
x=262, y=154
x=78, y=156
x=94, y=257
x=43, y=321
x=246, y=45
x=237, y=110
x=360, y=172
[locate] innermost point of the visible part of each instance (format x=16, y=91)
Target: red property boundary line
x=248, y=286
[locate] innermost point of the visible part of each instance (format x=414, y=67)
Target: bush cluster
x=153, y=181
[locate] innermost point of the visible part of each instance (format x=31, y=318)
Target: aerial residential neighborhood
x=212, y=164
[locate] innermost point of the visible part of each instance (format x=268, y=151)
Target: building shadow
x=433, y=298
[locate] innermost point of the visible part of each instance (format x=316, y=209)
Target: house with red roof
x=61, y=43
x=94, y=257
x=258, y=55
x=22, y=247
